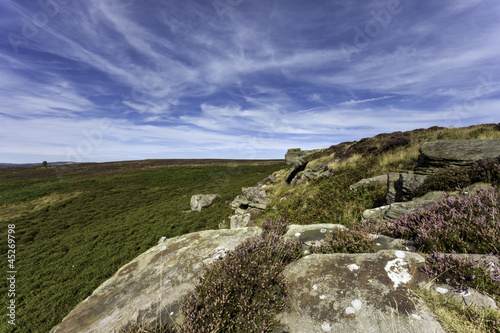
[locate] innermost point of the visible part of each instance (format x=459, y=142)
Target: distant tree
x=44, y=163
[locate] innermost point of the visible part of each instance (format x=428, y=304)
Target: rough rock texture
x=164, y=274
x=400, y=186
x=200, y=201
x=314, y=234
x=446, y=153
x=319, y=171
x=470, y=298
x=382, y=179
x=249, y=204
x=356, y=293
x=398, y=209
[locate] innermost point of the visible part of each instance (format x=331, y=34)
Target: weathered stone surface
x=314, y=234
x=400, y=186
x=382, y=179
x=355, y=293
x=470, y=297
x=251, y=197
x=311, y=234
x=295, y=156
x=395, y=210
x=154, y=284
x=311, y=174
x=200, y=201
x=445, y=153
x=240, y=219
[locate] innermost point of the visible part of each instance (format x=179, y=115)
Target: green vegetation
x=457, y=317
x=76, y=225
x=73, y=231
x=246, y=282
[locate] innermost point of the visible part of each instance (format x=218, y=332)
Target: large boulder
x=297, y=158
x=401, y=185
x=446, y=153
x=251, y=197
x=356, y=293
x=155, y=284
x=200, y=201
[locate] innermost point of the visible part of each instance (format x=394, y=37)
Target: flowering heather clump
x=450, y=178
x=463, y=274
x=353, y=240
x=462, y=223
x=244, y=290
x=147, y=328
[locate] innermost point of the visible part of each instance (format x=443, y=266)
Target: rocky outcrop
x=447, y=153
x=153, y=285
x=382, y=179
x=356, y=293
x=250, y=203
x=401, y=185
x=310, y=174
x=297, y=158
x=470, y=297
x=398, y=209
x=314, y=234
x=200, y=201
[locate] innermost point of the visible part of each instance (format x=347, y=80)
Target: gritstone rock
x=355, y=293
x=154, y=284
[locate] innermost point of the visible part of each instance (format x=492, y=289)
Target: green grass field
x=75, y=226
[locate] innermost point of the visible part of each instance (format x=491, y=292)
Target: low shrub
x=457, y=317
x=462, y=273
x=450, y=178
x=332, y=201
x=462, y=223
x=353, y=240
x=243, y=291
x=141, y=327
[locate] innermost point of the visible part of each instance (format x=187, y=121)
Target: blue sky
x=108, y=80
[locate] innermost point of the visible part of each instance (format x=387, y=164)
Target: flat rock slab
x=438, y=154
x=153, y=285
x=356, y=293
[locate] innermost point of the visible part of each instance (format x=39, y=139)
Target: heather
x=244, y=290
x=352, y=240
x=463, y=273
x=77, y=225
x=464, y=223
x=487, y=171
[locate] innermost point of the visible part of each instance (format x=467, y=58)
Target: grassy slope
x=73, y=230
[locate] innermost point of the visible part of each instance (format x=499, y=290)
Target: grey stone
x=470, y=297
x=239, y=220
x=446, y=153
x=400, y=186
x=355, y=293
x=153, y=285
x=200, y=201
x=382, y=179
x=251, y=197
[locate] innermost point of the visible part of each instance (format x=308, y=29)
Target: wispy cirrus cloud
x=253, y=80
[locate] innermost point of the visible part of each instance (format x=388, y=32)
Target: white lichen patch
x=323, y=231
x=315, y=287
x=220, y=252
x=350, y=310
x=297, y=234
x=322, y=297
x=400, y=254
x=417, y=317
x=326, y=327
x=378, y=244
x=356, y=304
x=353, y=267
x=163, y=248
x=397, y=272
x=442, y=290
